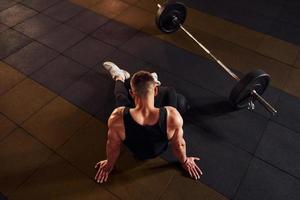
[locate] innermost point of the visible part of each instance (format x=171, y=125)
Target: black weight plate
x=240, y=95
x=166, y=15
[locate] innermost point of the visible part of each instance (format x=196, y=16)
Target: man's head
x=142, y=84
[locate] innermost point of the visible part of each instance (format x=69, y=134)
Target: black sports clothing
x=146, y=141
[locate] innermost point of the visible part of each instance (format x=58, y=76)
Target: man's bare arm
x=179, y=145
x=113, y=147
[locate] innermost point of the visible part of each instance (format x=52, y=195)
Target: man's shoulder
x=116, y=117
x=174, y=117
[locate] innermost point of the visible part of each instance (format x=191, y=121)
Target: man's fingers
x=97, y=164
x=194, y=172
x=196, y=158
x=100, y=176
x=199, y=170
x=97, y=174
x=103, y=177
x=106, y=177
x=197, y=173
x=189, y=170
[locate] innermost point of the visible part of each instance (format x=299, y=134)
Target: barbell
x=170, y=18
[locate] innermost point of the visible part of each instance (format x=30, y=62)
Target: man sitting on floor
x=145, y=129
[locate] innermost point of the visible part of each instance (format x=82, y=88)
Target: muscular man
x=145, y=129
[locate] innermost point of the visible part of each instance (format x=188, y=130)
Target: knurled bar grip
x=209, y=53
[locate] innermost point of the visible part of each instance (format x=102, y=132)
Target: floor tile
x=22, y=155
x=186, y=188
x=218, y=160
x=286, y=31
x=132, y=178
x=59, y=74
x=55, y=123
x=84, y=3
x=223, y=29
x=114, y=33
x=265, y=182
x=6, y=126
x=243, y=17
x=100, y=193
x=87, y=21
x=290, y=14
x=16, y=14
x=91, y=92
x=2, y=197
x=8, y=77
x=23, y=100
x=36, y=26
x=89, y=52
x=126, y=61
x=131, y=1
x=6, y=4
x=279, y=146
x=110, y=8
x=63, y=11
x=288, y=111
x=56, y=179
x=278, y=49
x=182, y=41
x=245, y=61
x=165, y=56
x=86, y=147
x=231, y=127
x=11, y=41
x=292, y=84
x=104, y=113
x=297, y=62
x=201, y=99
x=39, y=4
x=61, y=38
x=149, y=5
x=3, y=28
x=264, y=7
x=292, y=4
x=31, y=58
x=135, y=17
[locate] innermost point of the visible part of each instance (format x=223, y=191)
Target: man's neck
x=145, y=105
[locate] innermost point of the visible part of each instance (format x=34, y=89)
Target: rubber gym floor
x=55, y=98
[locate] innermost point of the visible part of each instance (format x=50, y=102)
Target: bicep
x=177, y=138
x=175, y=125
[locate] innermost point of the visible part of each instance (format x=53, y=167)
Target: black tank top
x=146, y=141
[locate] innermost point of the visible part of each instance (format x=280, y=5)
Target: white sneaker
x=115, y=71
x=155, y=76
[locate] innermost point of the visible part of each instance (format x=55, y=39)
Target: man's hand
x=103, y=171
x=191, y=167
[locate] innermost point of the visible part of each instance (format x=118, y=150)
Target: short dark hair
x=141, y=82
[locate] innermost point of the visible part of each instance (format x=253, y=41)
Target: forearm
x=112, y=153
x=179, y=151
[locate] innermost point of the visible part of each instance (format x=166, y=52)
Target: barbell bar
x=170, y=18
